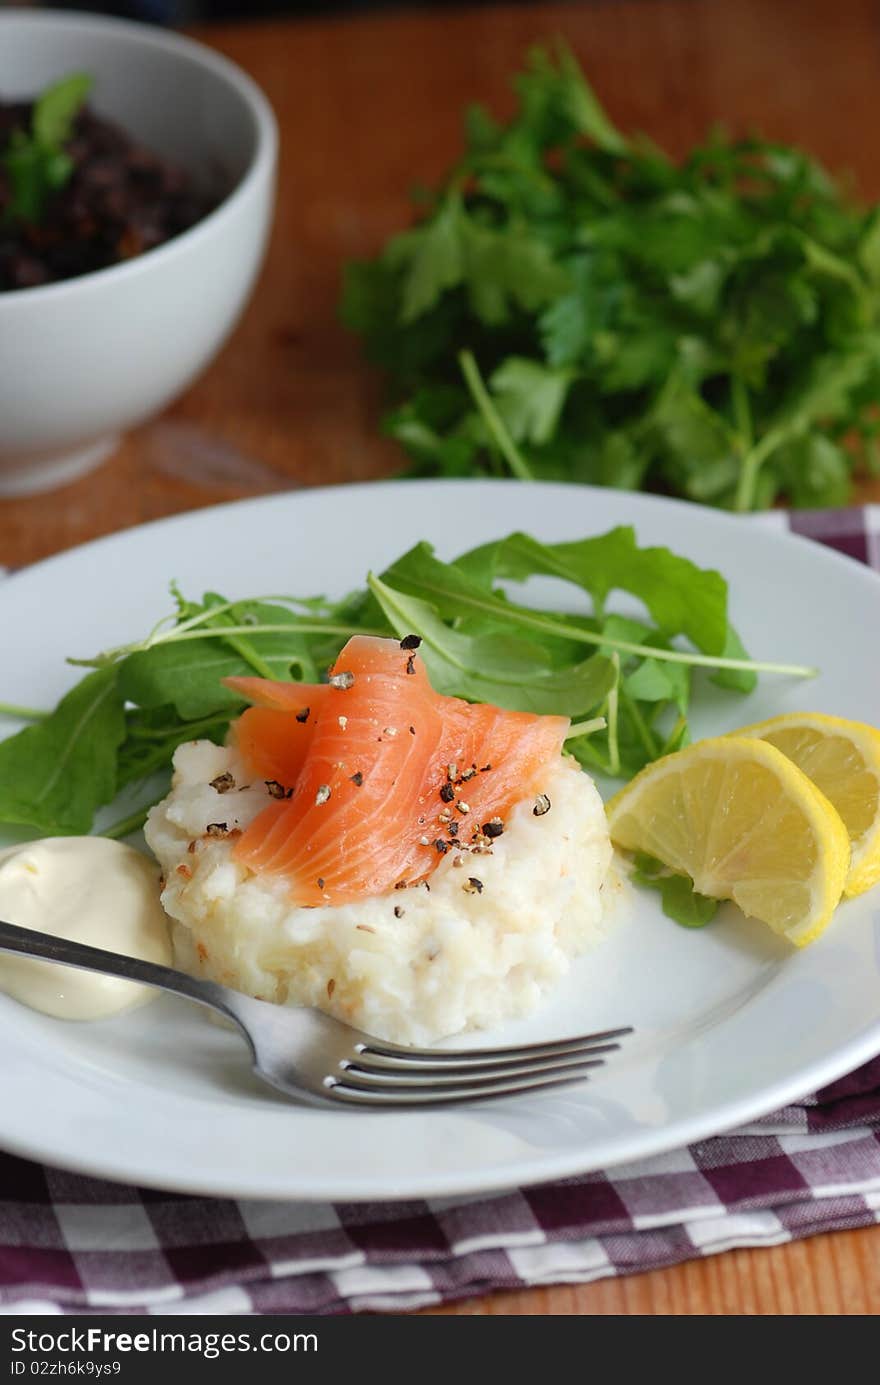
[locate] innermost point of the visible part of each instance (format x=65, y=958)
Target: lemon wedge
x=744, y=823
x=843, y=760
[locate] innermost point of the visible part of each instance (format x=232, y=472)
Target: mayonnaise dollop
x=91, y=890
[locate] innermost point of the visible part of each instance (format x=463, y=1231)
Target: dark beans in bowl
x=120, y=200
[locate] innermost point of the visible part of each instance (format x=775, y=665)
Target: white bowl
x=83, y=359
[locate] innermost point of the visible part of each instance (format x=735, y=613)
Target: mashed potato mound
x=412, y=965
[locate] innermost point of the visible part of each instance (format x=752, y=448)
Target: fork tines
x=387, y=1075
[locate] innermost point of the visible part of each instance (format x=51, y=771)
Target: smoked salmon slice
x=387, y=775
x=274, y=734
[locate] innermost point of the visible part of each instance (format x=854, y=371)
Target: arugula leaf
x=682, y=598
x=740, y=680
x=680, y=901
x=495, y=667
x=656, y=682
x=152, y=736
x=121, y=724
x=55, y=775
x=187, y=673
x=652, y=691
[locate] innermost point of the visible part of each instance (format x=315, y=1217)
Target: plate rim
x=527, y=1174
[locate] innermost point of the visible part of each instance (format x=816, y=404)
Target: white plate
x=730, y=1023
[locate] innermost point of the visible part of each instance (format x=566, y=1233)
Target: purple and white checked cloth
x=75, y=1244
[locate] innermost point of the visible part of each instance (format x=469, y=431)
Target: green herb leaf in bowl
x=36, y=163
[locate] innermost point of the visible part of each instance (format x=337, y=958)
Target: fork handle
x=27, y=942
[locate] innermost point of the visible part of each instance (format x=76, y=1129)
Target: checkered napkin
x=75, y=1244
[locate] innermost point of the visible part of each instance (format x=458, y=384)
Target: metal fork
x=317, y=1059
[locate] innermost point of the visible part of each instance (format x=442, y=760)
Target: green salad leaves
x=575, y=306
x=625, y=680
x=678, y=898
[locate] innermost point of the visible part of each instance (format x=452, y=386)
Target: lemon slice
x=745, y=824
x=843, y=760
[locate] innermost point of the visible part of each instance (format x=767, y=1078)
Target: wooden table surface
x=365, y=107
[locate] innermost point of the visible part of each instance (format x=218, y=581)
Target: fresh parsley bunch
x=573, y=305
